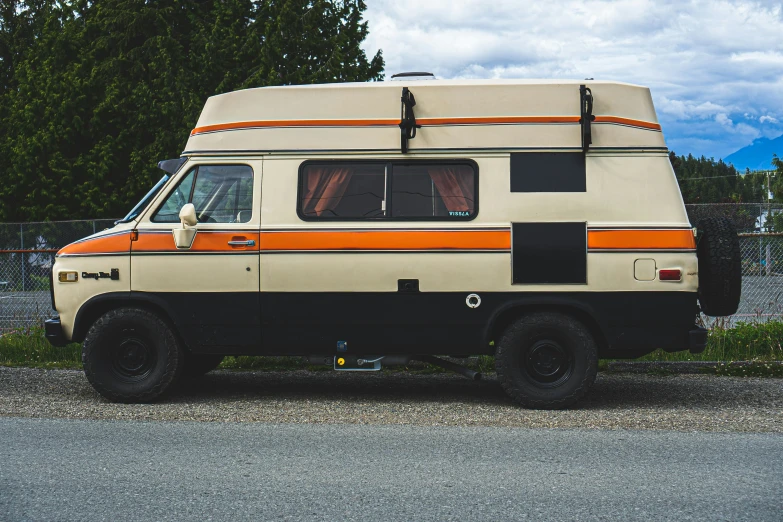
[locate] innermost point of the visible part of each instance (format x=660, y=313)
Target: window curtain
x=324, y=187
x=456, y=186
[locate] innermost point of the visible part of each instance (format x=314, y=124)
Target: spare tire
x=720, y=267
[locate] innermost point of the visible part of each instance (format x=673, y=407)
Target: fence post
x=21, y=247
x=93, y=226
x=769, y=259
x=761, y=230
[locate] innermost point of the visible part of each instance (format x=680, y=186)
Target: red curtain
x=324, y=187
x=456, y=186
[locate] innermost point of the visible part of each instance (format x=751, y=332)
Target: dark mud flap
x=697, y=341
x=53, y=331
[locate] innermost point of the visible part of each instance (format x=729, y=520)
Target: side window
x=411, y=190
x=335, y=191
x=220, y=193
x=428, y=190
x=169, y=211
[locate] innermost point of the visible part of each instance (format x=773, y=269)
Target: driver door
x=210, y=287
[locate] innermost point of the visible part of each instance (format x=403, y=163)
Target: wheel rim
x=133, y=358
x=547, y=363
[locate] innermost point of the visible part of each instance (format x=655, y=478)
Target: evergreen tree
x=45, y=110
x=94, y=93
x=705, y=180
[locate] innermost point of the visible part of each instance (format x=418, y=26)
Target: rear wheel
x=546, y=360
x=131, y=355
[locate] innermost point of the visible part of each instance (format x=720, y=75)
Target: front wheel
x=131, y=355
x=546, y=360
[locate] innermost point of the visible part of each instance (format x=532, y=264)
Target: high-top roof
x=453, y=114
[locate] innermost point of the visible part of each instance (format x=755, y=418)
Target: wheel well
x=509, y=315
x=93, y=310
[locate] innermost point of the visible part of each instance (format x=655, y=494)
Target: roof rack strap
x=586, y=116
x=408, y=124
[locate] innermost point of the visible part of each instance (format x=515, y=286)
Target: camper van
x=363, y=225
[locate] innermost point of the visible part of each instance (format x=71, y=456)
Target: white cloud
x=701, y=58
x=724, y=120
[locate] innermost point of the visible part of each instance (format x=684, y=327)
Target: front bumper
x=54, y=332
x=697, y=340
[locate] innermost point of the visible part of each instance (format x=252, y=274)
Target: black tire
x=720, y=267
x=546, y=360
x=198, y=364
x=131, y=355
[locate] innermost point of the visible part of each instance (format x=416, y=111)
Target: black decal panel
x=549, y=253
x=548, y=172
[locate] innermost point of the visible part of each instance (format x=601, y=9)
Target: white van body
x=550, y=213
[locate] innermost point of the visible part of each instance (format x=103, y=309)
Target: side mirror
x=188, y=216
x=183, y=237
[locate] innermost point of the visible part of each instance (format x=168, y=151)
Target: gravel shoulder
x=617, y=401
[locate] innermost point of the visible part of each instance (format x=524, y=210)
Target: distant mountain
x=757, y=155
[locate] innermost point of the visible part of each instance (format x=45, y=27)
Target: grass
x=751, y=369
x=742, y=342
x=758, y=345
x=30, y=348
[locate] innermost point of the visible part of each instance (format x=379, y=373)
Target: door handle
x=249, y=242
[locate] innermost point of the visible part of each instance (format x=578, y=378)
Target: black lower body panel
x=214, y=322
x=628, y=324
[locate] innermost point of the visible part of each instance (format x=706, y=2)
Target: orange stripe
x=154, y=242
x=491, y=120
x=387, y=240
x=376, y=240
x=100, y=245
x=641, y=239
x=203, y=242
x=627, y=121
x=409, y=240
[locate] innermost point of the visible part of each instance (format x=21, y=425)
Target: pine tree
x=94, y=93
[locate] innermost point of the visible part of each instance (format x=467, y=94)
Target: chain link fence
x=27, y=254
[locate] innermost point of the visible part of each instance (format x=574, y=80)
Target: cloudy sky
x=715, y=67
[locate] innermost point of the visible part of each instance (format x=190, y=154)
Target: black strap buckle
x=586, y=116
x=408, y=123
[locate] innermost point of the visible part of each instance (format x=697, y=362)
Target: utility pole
x=769, y=198
x=767, y=218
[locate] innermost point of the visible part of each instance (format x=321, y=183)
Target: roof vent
x=413, y=76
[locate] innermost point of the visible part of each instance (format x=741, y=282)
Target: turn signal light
x=68, y=277
x=669, y=274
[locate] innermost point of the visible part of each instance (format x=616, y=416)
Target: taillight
x=669, y=274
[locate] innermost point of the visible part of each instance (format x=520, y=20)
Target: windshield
x=141, y=205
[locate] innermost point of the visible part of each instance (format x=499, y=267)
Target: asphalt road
x=54, y=469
